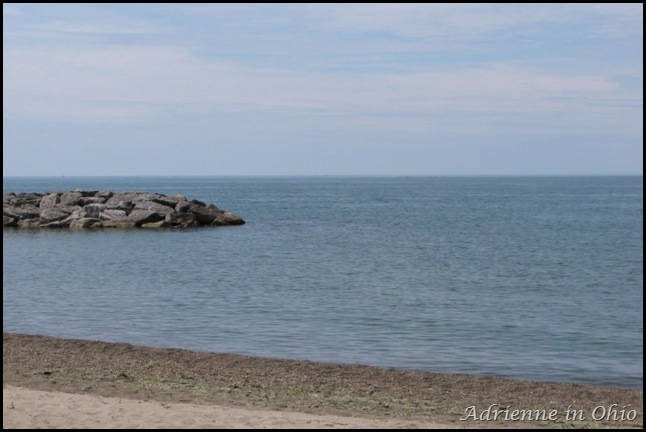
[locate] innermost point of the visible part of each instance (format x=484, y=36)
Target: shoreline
x=171, y=376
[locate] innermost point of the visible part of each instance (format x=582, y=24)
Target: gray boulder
x=106, y=209
x=50, y=200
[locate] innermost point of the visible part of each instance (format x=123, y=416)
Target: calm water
x=526, y=277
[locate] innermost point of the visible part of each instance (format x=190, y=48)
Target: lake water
x=525, y=277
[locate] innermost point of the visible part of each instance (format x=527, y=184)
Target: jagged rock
x=49, y=200
x=140, y=217
x=153, y=206
x=170, y=201
x=112, y=215
x=227, y=218
x=23, y=199
x=7, y=197
x=22, y=211
x=122, y=205
x=94, y=209
x=29, y=223
x=118, y=200
x=106, y=194
x=9, y=221
x=49, y=215
x=204, y=214
x=70, y=198
x=145, y=196
x=182, y=220
x=86, y=223
x=83, y=201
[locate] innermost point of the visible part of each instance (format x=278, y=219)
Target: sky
x=322, y=89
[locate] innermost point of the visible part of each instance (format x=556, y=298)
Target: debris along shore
x=106, y=209
x=168, y=375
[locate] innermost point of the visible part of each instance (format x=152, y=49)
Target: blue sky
x=337, y=89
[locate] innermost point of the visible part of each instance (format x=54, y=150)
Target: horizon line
x=314, y=175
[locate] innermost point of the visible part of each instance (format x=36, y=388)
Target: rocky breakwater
x=106, y=209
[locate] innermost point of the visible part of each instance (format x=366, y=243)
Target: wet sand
x=55, y=383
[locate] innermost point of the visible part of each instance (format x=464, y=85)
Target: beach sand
x=34, y=409
x=60, y=383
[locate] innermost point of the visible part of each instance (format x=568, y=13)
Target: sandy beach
x=34, y=409
x=61, y=383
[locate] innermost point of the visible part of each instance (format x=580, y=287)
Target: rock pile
x=106, y=209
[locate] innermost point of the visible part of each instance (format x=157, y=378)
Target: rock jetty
x=106, y=209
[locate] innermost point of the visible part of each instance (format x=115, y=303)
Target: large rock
x=22, y=211
x=153, y=206
x=50, y=215
x=120, y=200
x=96, y=209
x=113, y=215
x=23, y=199
x=9, y=221
x=50, y=200
x=182, y=220
x=227, y=218
x=83, y=201
x=29, y=223
x=140, y=217
x=93, y=210
x=70, y=198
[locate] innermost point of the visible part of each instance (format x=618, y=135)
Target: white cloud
x=291, y=78
x=80, y=80
x=98, y=27
x=466, y=21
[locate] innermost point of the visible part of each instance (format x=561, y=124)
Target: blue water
x=525, y=277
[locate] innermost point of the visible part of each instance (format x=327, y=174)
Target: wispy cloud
x=174, y=76
x=109, y=28
x=503, y=70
